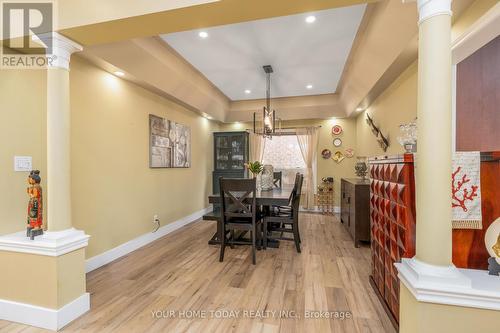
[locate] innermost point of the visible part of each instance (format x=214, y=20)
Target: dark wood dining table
x=265, y=198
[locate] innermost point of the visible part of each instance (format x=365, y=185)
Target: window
x=283, y=153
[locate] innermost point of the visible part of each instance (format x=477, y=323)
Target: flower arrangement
x=254, y=167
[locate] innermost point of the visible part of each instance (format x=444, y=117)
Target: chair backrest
x=277, y=178
x=295, y=185
x=238, y=198
x=297, y=191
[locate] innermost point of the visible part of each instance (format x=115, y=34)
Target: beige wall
x=326, y=168
x=395, y=106
x=22, y=132
x=115, y=193
x=45, y=281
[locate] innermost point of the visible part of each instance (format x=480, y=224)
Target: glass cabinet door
x=230, y=151
x=222, y=152
x=237, y=152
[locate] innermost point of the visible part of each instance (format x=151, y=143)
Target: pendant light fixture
x=268, y=127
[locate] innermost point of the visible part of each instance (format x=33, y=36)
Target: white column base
x=450, y=285
x=49, y=244
x=44, y=317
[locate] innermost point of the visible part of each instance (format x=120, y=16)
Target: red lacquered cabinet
x=392, y=223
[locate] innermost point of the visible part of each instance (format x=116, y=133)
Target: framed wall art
x=169, y=144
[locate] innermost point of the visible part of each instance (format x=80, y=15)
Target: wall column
x=433, y=173
x=430, y=278
x=58, y=134
x=56, y=258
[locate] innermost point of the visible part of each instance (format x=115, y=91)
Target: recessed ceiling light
x=311, y=19
x=248, y=91
x=309, y=86
x=119, y=73
x=203, y=34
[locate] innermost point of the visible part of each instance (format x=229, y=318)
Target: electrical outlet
x=156, y=222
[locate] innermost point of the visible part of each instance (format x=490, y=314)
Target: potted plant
x=254, y=167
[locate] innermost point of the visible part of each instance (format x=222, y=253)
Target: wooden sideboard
x=392, y=218
x=355, y=208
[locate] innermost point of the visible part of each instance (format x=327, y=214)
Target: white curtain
x=257, y=144
x=308, y=143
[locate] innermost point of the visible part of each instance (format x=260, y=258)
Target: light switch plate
x=23, y=163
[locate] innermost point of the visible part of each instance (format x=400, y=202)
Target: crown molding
x=480, y=33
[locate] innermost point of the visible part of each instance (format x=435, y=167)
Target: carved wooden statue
x=35, y=206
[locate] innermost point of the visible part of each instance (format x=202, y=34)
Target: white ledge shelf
x=49, y=244
x=450, y=285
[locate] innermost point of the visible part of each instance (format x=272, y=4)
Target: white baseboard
x=44, y=317
x=136, y=243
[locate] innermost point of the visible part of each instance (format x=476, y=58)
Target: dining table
x=278, y=196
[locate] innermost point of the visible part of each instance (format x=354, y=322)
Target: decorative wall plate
x=336, y=130
x=337, y=142
x=349, y=152
x=338, y=156
x=326, y=153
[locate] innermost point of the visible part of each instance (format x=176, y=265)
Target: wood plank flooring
x=179, y=276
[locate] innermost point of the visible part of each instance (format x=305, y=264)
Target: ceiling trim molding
x=152, y=65
x=367, y=16
x=480, y=33
x=289, y=108
x=232, y=56
x=187, y=63
x=352, y=85
x=211, y=14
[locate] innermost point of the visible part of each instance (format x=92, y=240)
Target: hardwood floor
x=180, y=272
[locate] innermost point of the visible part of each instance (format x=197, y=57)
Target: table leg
x=215, y=238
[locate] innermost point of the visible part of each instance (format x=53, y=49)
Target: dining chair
x=286, y=220
x=277, y=178
x=288, y=207
x=239, y=212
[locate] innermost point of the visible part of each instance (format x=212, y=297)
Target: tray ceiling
x=308, y=58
